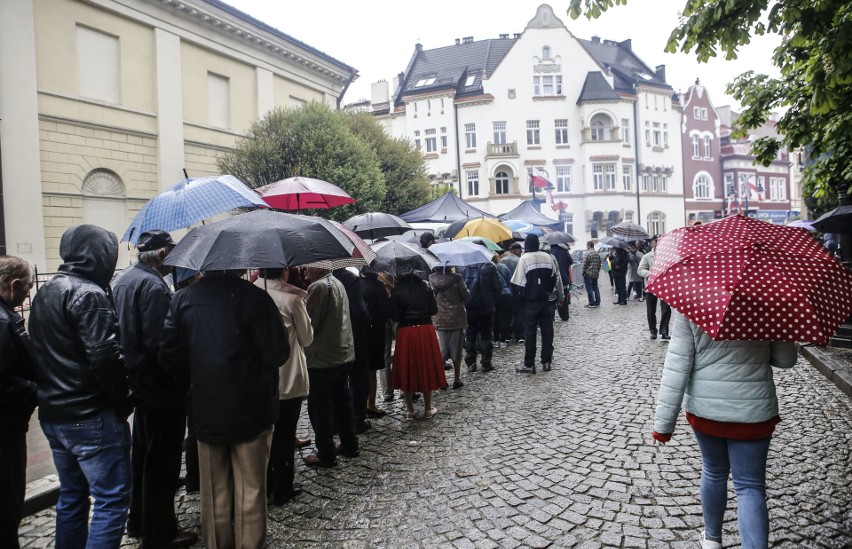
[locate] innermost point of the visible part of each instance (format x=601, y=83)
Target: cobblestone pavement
x=559, y=459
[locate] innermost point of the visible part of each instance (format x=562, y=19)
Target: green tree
x=403, y=166
x=311, y=141
x=814, y=90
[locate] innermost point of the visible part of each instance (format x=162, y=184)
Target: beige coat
x=290, y=300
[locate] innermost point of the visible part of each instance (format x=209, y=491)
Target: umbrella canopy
x=375, y=225
x=303, y=193
x=803, y=224
x=838, y=220
x=189, y=202
x=612, y=242
x=461, y=254
x=522, y=227
x=260, y=239
x=490, y=244
x=412, y=236
x=446, y=208
x=400, y=258
x=528, y=211
x=560, y=237
x=492, y=229
x=744, y=279
x=631, y=231
x=362, y=254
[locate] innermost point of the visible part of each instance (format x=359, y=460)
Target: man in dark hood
x=83, y=396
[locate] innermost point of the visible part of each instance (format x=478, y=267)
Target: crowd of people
x=227, y=362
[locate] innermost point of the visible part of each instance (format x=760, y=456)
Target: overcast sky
x=377, y=37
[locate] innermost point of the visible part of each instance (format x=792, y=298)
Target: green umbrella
x=477, y=239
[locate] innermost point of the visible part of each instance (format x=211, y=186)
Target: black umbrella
x=560, y=237
x=260, y=239
x=399, y=258
x=613, y=242
x=838, y=220
x=375, y=225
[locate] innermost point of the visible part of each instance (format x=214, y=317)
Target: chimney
x=516, y=35
x=504, y=36
x=596, y=39
x=660, y=73
x=379, y=92
x=458, y=41
x=467, y=40
x=627, y=44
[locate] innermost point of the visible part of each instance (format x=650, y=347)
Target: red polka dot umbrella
x=744, y=279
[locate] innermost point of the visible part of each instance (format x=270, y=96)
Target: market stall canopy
x=526, y=211
x=447, y=208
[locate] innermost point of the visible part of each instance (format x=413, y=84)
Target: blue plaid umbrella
x=191, y=201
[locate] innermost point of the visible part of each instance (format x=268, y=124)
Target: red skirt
x=417, y=364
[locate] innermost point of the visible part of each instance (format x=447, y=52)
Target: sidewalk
x=835, y=363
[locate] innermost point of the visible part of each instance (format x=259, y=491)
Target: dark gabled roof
x=447, y=208
x=628, y=70
x=451, y=66
x=596, y=88
x=227, y=8
x=525, y=211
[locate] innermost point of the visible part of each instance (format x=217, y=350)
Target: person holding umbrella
x=646, y=265
x=451, y=293
x=619, y=262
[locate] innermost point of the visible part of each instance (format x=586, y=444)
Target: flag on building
x=540, y=180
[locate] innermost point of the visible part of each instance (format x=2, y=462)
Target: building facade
x=104, y=103
x=588, y=114
x=703, y=188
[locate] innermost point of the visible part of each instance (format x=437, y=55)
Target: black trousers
x=538, y=314
x=665, y=314
x=330, y=405
x=191, y=456
x=503, y=318
x=621, y=287
x=281, y=469
x=13, y=483
x=478, y=325
x=155, y=461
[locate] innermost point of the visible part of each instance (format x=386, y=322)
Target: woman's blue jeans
x=745, y=461
x=92, y=457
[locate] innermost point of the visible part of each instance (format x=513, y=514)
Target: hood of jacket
x=442, y=280
x=90, y=252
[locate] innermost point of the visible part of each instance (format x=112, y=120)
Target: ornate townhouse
x=104, y=103
x=590, y=114
x=719, y=173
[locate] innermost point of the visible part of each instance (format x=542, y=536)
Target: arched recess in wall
x=104, y=205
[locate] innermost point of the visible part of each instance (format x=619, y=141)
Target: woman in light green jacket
x=727, y=390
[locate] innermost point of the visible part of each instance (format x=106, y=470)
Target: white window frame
x=777, y=188
x=656, y=222
x=431, y=141
x=470, y=135
x=597, y=130
x=610, y=178
x=563, y=179
x=702, y=187
x=499, y=132
x=598, y=176
x=472, y=177
x=707, y=148
x=502, y=183
x=627, y=177
x=560, y=126
x=533, y=132
x=696, y=147
x=657, y=142
x=625, y=130
x=549, y=85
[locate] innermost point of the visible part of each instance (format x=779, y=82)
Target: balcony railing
x=502, y=149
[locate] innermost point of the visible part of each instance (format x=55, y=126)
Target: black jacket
x=17, y=372
x=225, y=337
x=142, y=301
x=619, y=262
x=412, y=302
x=74, y=332
x=564, y=260
x=485, y=290
x=377, y=300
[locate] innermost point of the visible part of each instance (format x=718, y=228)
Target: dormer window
x=470, y=80
x=545, y=53
x=425, y=82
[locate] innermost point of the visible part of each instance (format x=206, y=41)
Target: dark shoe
x=302, y=442
x=376, y=413
x=665, y=336
x=488, y=368
x=416, y=396
x=388, y=398
x=281, y=499
x=471, y=368
x=340, y=451
x=183, y=538
x=458, y=385
x=525, y=370
x=545, y=366
x=363, y=427
x=313, y=460
x=133, y=532
x=448, y=366
x=653, y=335
x=622, y=303
x=589, y=306
x=192, y=489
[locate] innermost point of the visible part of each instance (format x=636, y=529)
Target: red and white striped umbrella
x=744, y=279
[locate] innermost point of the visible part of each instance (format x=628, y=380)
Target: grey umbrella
x=560, y=237
x=629, y=230
x=374, y=225
x=613, y=242
x=399, y=258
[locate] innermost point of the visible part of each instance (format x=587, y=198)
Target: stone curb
x=41, y=494
x=837, y=371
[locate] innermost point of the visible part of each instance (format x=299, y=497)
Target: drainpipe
x=458, y=148
x=636, y=142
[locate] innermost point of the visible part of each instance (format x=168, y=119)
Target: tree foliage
x=403, y=166
x=814, y=90
x=311, y=141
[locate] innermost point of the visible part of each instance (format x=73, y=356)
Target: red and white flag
x=540, y=180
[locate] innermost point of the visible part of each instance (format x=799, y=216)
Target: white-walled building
x=600, y=123
x=104, y=103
